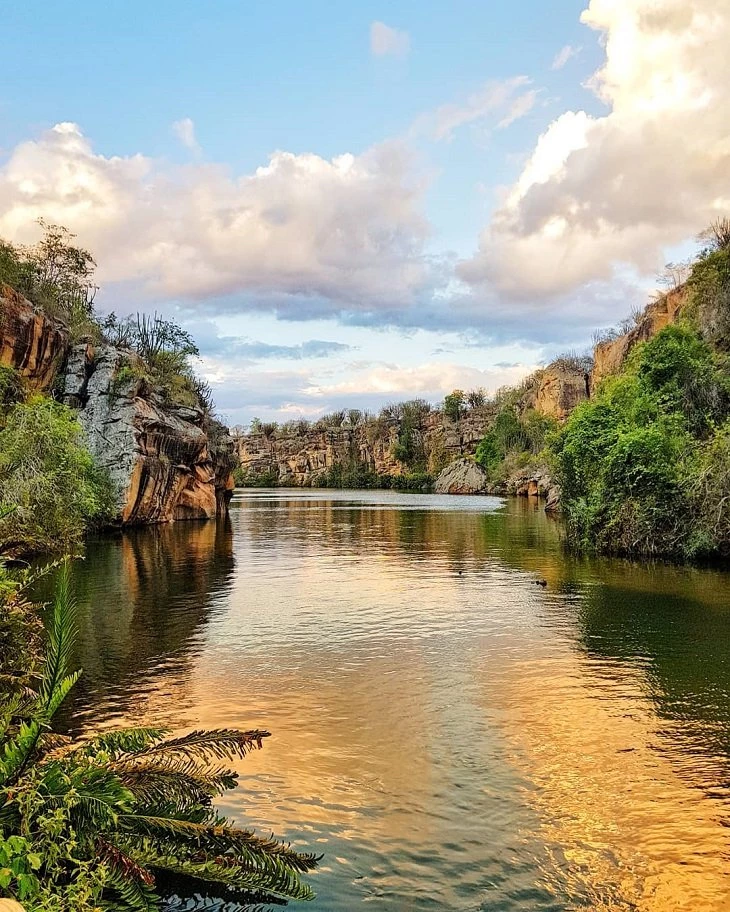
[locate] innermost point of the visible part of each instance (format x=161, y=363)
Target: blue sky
x=411, y=217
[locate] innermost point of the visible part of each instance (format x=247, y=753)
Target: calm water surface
x=451, y=735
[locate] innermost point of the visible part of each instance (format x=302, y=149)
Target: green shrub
x=48, y=480
x=243, y=478
x=637, y=464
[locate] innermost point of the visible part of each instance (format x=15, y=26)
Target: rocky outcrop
x=464, y=476
x=610, y=355
x=557, y=389
x=300, y=459
x=31, y=343
x=165, y=461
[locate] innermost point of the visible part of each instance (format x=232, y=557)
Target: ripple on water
x=450, y=735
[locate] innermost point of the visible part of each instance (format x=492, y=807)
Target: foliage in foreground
x=93, y=824
x=48, y=480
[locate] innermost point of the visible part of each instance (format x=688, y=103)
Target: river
x=449, y=732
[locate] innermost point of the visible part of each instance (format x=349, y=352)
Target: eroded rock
x=464, y=476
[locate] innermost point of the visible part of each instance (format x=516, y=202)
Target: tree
x=48, y=479
x=454, y=405
x=95, y=824
x=476, y=398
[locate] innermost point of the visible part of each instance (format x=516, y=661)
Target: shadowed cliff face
x=167, y=461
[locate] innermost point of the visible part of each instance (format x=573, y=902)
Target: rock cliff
x=167, y=461
x=555, y=390
x=300, y=459
x=609, y=355
x=30, y=342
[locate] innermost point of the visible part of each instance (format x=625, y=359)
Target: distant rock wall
x=167, y=461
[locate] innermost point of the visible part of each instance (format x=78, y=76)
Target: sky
x=354, y=204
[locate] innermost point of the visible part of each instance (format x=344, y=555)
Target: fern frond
x=247, y=848
x=221, y=744
x=184, y=784
x=277, y=879
x=124, y=741
x=62, y=632
x=132, y=883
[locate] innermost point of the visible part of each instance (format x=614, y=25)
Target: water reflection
x=450, y=734
x=143, y=600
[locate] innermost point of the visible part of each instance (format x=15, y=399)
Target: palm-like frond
x=276, y=879
x=62, y=632
x=185, y=784
x=135, y=801
x=218, y=744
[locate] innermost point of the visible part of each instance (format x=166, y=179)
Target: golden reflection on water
x=450, y=734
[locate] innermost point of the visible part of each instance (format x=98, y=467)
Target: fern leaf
x=221, y=744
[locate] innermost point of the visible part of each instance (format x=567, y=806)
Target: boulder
x=464, y=476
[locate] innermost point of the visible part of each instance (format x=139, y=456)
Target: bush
x=640, y=464
x=511, y=435
x=49, y=483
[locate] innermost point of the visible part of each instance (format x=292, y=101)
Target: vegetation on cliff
x=53, y=488
x=645, y=465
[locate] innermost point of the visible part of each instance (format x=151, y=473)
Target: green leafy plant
x=49, y=479
x=96, y=824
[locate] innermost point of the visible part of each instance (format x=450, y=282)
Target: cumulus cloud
x=500, y=98
x=563, y=56
x=385, y=40
x=430, y=381
x=347, y=232
x=185, y=131
x=604, y=194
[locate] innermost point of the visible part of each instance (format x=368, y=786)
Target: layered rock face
x=301, y=459
x=609, y=356
x=162, y=460
x=557, y=389
x=166, y=461
x=30, y=342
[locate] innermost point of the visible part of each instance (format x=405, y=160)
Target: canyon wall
x=302, y=458
x=167, y=462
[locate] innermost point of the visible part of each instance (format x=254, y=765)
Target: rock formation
x=30, y=342
x=555, y=390
x=609, y=355
x=166, y=461
x=463, y=476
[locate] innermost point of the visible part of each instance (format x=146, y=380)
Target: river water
x=448, y=732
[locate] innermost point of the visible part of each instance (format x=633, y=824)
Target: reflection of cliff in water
x=409, y=530
x=143, y=601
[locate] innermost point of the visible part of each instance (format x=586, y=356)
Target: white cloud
x=185, y=131
x=347, y=232
x=430, y=381
x=498, y=97
x=563, y=56
x=601, y=194
x=385, y=40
